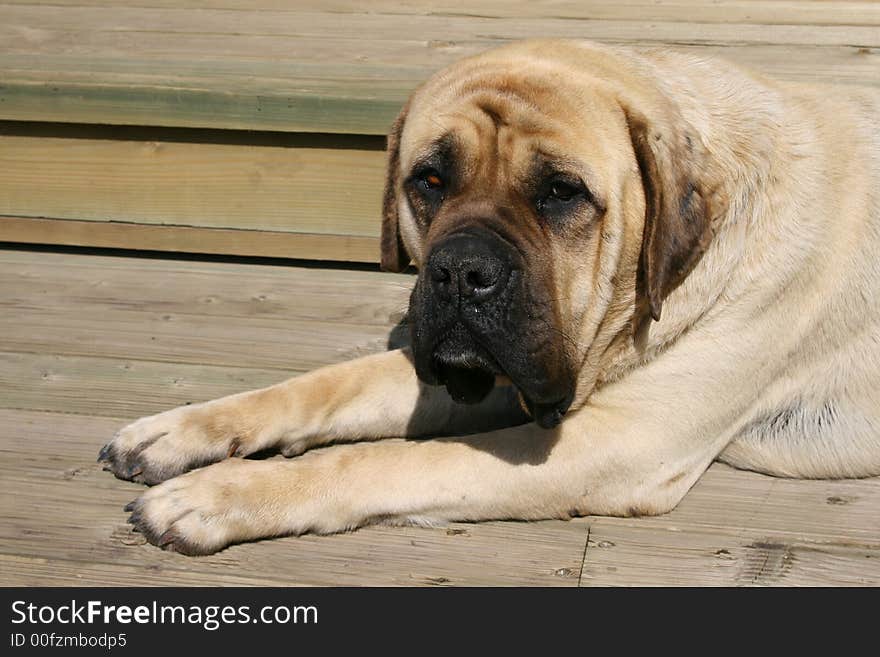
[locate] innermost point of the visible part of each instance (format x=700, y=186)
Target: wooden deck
x=89, y=342
x=220, y=127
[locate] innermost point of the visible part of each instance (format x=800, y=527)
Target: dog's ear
x=394, y=256
x=678, y=212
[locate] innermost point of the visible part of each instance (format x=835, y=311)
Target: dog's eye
x=562, y=191
x=431, y=181
x=559, y=195
x=427, y=189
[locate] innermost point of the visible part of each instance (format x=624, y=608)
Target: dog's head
x=549, y=194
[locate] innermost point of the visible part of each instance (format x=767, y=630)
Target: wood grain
x=60, y=510
x=86, y=29
x=246, y=326
x=821, y=511
x=750, y=11
x=108, y=387
x=799, y=12
x=738, y=528
x=629, y=555
x=183, y=239
x=284, y=292
x=346, y=70
x=280, y=189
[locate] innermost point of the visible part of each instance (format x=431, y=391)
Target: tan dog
x=556, y=196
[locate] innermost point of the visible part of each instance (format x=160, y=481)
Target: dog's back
x=822, y=417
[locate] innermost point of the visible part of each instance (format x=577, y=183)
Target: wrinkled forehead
x=520, y=115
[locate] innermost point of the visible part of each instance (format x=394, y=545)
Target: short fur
x=748, y=209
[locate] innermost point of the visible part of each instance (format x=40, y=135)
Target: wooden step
x=348, y=66
x=283, y=195
x=219, y=126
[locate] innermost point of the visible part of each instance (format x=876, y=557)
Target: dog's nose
x=470, y=267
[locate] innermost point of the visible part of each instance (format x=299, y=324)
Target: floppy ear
x=394, y=256
x=678, y=212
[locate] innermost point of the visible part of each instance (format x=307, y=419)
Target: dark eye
x=562, y=191
x=559, y=195
x=431, y=181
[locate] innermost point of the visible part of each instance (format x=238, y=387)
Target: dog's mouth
x=466, y=369
x=469, y=372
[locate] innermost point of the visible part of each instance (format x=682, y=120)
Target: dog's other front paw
x=204, y=511
x=159, y=447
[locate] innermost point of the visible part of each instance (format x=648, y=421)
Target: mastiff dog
x=630, y=264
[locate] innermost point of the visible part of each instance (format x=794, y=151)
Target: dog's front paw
x=156, y=448
x=204, y=511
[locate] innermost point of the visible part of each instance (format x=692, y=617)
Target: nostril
x=478, y=280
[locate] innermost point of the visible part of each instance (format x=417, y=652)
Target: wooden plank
x=63, y=89
x=58, y=507
x=841, y=512
x=258, y=341
x=859, y=12
x=24, y=570
x=89, y=284
x=115, y=387
x=251, y=343
x=87, y=29
x=628, y=555
x=362, y=100
x=182, y=239
x=115, y=326
x=318, y=72
x=297, y=189
x=737, y=528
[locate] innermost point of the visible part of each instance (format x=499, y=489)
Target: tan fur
x=766, y=354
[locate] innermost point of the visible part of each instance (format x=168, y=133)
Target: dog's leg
x=590, y=465
x=633, y=449
x=372, y=397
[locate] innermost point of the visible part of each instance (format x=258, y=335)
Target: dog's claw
x=104, y=454
x=167, y=539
